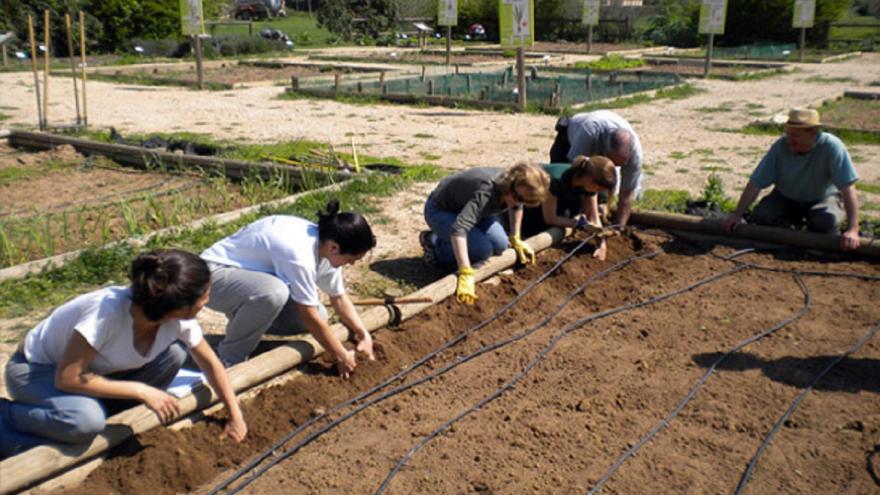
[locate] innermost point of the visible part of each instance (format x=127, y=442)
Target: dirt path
x=598, y=390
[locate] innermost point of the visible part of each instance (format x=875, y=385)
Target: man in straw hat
x=813, y=179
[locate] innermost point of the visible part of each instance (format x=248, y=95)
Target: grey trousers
x=255, y=303
x=823, y=217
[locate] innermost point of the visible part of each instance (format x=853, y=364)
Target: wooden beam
x=786, y=237
x=40, y=463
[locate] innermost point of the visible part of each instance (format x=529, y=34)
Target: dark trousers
x=823, y=217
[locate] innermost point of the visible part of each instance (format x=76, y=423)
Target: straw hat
x=803, y=118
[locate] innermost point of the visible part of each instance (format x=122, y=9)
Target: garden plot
x=545, y=90
x=720, y=70
x=856, y=114
x=425, y=57
x=225, y=76
x=101, y=201
x=637, y=334
x=785, y=52
x=579, y=48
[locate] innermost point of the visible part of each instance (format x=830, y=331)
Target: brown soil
x=697, y=70
x=415, y=57
x=852, y=113
x=599, y=389
x=233, y=74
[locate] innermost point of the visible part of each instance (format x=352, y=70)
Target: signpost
x=192, y=23
x=447, y=15
x=804, y=16
x=517, y=31
x=713, y=14
x=590, y=18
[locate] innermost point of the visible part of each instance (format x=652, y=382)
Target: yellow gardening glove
x=524, y=253
x=465, y=290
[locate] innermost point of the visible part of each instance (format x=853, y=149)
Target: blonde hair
x=527, y=182
x=600, y=169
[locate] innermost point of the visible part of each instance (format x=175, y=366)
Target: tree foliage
x=373, y=17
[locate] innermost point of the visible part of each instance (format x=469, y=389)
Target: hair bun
x=331, y=210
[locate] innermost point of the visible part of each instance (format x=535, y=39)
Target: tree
x=751, y=21
x=373, y=17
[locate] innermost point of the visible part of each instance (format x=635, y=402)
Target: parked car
x=259, y=9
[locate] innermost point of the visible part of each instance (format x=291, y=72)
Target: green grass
x=422, y=135
x=848, y=136
x=664, y=200
x=868, y=187
x=97, y=267
x=3, y=116
x=724, y=107
x=613, y=62
x=302, y=29
x=825, y=80
x=149, y=80
x=674, y=93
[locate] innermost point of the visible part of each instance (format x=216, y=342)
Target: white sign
x=804, y=13
x=447, y=12
x=192, y=22
x=591, y=13
x=713, y=14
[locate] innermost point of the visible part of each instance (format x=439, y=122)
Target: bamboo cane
x=82, y=52
x=71, y=54
x=46, y=68
x=36, y=71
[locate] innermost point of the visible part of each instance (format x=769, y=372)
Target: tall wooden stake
x=36, y=71
x=521, y=78
x=82, y=53
x=590, y=38
x=803, y=42
x=200, y=75
x=709, y=55
x=46, y=68
x=5, y=57
x=71, y=54
x=448, y=46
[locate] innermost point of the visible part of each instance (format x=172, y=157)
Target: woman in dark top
x=462, y=213
x=573, y=199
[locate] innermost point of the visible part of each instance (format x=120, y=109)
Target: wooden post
x=71, y=54
x=431, y=87
x=382, y=78
x=294, y=82
x=337, y=81
x=448, y=45
x=47, y=40
x=423, y=73
x=468, y=82
x=82, y=53
x=709, y=55
x=456, y=69
x=36, y=71
x=590, y=39
x=5, y=57
x=384, y=89
x=200, y=74
x=802, y=43
x=521, y=78
x=360, y=87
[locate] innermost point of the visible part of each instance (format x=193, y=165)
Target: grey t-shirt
x=473, y=194
x=590, y=134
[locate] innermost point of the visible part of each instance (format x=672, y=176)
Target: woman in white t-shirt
x=110, y=349
x=266, y=277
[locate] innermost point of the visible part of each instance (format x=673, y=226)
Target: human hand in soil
x=465, y=290
x=850, y=239
x=162, y=403
x=365, y=345
x=524, y=252
x=235, y=429
x=601, y=251
x=346, y=363
x=730, y=223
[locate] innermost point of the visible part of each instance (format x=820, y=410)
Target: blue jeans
x=41, y=413
x=485, y=239
x=823, y=217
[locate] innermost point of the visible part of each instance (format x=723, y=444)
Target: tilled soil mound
x=593, y=394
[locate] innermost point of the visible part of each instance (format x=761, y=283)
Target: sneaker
x=426, y=239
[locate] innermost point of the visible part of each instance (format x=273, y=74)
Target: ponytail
x=348, y=229
x=166, y=280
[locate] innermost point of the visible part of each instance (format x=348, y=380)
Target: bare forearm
x=851, y=205
x=748, y=196
x=98, y=386
x=348, y=314
x=460, y=250
x=217, y=378
x=624, y=207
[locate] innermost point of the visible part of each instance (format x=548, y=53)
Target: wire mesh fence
x=548, y=89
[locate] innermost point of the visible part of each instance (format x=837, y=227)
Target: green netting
x=547, y=90
x=762, y=51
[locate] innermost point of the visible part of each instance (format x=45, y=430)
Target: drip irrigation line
x=273, y=450
x=817, y=273
x=754, y=461
x=869, y=460
x=630, y=452
x=458, y=362
x=541, y=355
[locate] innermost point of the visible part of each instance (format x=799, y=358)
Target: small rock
x=583, y=405
x=318, y=411
x=479, y=486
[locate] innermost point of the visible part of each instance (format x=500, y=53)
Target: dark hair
x=165, y=280
x=348, y=229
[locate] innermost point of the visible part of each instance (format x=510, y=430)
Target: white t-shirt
x=284, y=246
x=104, y=319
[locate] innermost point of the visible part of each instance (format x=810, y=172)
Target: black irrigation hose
x=869, y=460
x=626, y=455
x=752, y=463
x=397, y=377
x=458, y=362
x=541, y=355
x=818, y=273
